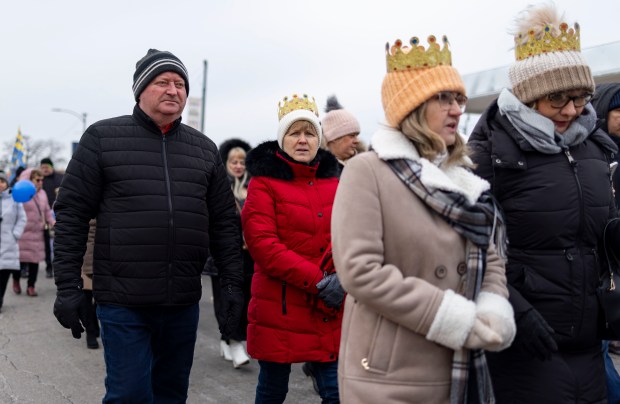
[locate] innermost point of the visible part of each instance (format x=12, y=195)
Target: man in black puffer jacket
x=162, y=200
x=606, y=102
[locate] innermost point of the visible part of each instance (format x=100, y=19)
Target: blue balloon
x=23, y=191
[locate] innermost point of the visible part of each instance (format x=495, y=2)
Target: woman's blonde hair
x=239, y=184
x=301, y=124
x=429, y=143
x=35, y=173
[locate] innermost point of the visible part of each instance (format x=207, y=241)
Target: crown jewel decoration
x=566, y=40
x=295, y=102
x=402, y=58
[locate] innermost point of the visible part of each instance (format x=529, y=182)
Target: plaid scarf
x=479, y=224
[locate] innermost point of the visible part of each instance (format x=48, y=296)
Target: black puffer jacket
x=556, y=207
x=161, y=202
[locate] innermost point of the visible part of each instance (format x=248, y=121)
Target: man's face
x=613, y=122
x=46, y=169
x=164, y=98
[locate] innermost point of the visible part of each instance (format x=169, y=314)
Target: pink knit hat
x=338, y=122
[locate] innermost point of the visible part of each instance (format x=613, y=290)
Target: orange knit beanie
x=414, y=75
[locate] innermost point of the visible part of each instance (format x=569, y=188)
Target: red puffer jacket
x=286, y=224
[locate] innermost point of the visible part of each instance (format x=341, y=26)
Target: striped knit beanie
x=153, y=64
x=544, y=64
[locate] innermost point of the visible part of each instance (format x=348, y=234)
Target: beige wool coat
x=396, y=259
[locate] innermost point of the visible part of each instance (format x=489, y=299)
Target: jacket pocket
x=381, y=347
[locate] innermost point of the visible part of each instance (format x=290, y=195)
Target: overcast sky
x=81, y=55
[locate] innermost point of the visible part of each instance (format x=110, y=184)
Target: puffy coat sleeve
x=269, y=252
x=224, y=233
x=77, y=202
x=20, y=222
x=358, y=252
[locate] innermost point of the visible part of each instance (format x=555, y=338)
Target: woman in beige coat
x=414, y=235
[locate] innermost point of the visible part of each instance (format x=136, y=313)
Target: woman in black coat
x=548, y=166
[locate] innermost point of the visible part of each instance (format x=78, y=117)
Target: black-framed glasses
x=447, y=98
x=560, y=100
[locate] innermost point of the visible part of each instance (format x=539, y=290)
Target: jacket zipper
x=574, y=166
x=284, y=297
x=170, y=221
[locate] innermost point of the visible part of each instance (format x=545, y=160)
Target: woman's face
x=235, y=165
x=344, y=147
x=3, y=185
x=443, y=112
x=550, y=106
x=301, y=142
x=37, y=180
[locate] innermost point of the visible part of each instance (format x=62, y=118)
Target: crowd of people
x=427, y=268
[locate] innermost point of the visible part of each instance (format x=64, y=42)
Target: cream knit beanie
x=548, y=56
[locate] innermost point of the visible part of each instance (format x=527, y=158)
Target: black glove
x=70, y=310
x=330, y=291
x=232, y=303
x=535, y=336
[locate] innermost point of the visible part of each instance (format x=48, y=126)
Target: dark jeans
x=33, y=271
x=273, y=381
x=611, y=376
x=148, y=352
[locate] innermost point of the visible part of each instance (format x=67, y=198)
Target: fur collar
x=390, y=144
x=263, y=161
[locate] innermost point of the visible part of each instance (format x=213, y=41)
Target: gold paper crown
x=294, y=103
x=567, y=40
x=401, y=58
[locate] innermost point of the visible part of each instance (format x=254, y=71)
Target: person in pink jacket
x=39, y=215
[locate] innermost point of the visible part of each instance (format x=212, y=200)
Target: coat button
x=325, y=319
x=498, y=161
x=520, y=163
x=320, y=214
x=310, y=183
x=331, y=356
x=321, y=249
x=461, y=268
x=305, y=283
x=441, y=271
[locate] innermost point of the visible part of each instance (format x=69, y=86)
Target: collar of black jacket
x=263, y=160
x=144, y=120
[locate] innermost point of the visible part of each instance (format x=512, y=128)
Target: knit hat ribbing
x=404, y=91
x=152, y=65
x=614, y=103
x=537, y=76
x=338, y=122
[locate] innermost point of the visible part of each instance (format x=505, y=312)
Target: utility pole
x=204, y=97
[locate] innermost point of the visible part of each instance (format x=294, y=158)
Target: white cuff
x=453, y=321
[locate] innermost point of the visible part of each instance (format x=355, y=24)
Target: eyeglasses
x=560, y=100
x=447, y=98
x=38, y=180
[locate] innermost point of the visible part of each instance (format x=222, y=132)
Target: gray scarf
x=539, y=131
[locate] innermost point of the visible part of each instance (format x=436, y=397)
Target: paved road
x=41, y=363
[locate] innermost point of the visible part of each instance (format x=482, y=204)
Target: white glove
x=483, y=337
x=496, y=312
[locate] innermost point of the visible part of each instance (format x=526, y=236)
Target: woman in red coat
x=294, y=313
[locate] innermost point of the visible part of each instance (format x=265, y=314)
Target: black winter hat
x=47, y=160
x=230, y=144
x=153, y=64
x=614, y=103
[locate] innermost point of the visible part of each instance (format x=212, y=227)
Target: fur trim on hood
x=264, y=161
x=230, y=144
